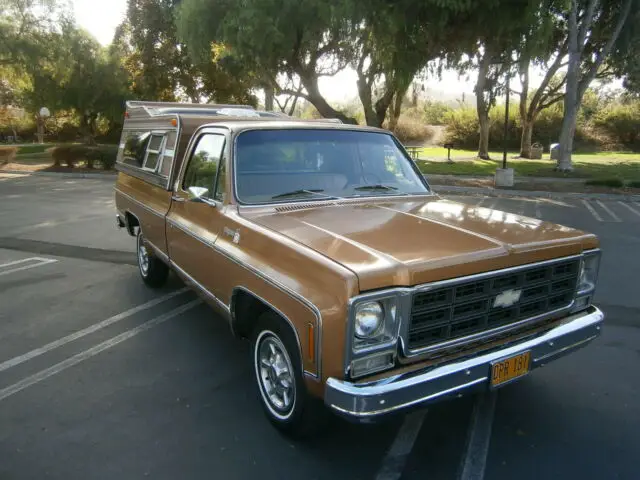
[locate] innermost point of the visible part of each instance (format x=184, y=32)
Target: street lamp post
x=43, y=114
x=504, y=175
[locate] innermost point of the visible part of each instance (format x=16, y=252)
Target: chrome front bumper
x=369, y=400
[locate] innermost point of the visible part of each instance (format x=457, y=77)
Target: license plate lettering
x=510, y=368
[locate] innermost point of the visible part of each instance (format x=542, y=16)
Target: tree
x=593, y=29
x=160, y=66
x=26, y=27
x=303, y=39
x=494, y=31
x=94, y=84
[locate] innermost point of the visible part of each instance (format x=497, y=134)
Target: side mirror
x=197, y=194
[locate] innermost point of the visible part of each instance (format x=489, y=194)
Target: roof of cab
x=242, y=124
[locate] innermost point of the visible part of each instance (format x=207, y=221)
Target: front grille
x=468, y=307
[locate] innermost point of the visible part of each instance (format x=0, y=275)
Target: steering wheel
x=378, y=180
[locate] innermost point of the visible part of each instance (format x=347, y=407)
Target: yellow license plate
x=510, y=368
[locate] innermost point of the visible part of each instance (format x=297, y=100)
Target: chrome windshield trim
x=302, y=126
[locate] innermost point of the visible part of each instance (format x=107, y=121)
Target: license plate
x=508, y=369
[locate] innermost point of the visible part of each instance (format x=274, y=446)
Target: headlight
x=369, y=318
x=588, y=273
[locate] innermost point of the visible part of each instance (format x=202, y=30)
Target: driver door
x=196, y=215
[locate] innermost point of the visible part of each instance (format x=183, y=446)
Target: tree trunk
x=571, y=94
x=483, y=106
x=396, y=108
x=268, y=98
x=483, y=147
x=527, y=134
x=317, y=100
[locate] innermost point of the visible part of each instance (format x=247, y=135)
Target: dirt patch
x=573, y=187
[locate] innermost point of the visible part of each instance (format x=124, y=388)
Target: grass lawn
x=35, y=148
x=606, y=165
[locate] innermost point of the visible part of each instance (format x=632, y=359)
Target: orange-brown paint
x=308, y=262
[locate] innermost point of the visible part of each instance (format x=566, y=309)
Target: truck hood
x=409, y=241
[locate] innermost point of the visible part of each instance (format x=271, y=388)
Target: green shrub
x=107, y=156
x=606, y=182
x=621, y=123
x=463, y=128
x=435, y=112
x=7, y=154
x=634, y=184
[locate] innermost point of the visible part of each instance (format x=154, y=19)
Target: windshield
x=313, y=164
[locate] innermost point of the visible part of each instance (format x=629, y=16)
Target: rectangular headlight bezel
x=589, y=269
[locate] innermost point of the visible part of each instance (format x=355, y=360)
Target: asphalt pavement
x=100, y=377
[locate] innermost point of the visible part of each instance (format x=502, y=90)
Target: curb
x=436, y=176
x=100, y=176
x=491, y=192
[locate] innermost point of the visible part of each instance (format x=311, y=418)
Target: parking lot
x=101, y=377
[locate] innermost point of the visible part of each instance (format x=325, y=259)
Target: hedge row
x=71, y=155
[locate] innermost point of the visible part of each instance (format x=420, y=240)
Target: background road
x=101, y=377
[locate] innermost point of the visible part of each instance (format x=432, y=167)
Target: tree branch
x=590, y=75
x=550, y=102
x=586, y=24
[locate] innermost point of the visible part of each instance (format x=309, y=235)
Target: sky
x=101, y=17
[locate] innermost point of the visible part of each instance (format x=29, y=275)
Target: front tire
x=154, y=272
x=278, y=374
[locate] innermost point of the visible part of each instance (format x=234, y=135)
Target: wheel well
x=246, y=308
x=132, y=222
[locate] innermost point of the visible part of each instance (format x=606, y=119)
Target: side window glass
x=203, y=165
x=156, y=143
x=135, y=147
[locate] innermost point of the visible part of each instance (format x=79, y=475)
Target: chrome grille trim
x=441, y=299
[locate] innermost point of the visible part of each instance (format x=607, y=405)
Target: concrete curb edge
x=100, y=176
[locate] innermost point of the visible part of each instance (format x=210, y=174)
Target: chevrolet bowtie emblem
x=507, y=298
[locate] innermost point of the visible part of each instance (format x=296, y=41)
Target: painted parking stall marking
x=592, y=210
x=86, y=331
x=630, y=208
x=395, y=459
x=91, y=352
x=24, y=264
x=609, y=211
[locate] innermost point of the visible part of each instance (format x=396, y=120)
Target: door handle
x=177, y=199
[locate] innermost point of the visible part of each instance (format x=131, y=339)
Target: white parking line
x=521, y=209
x=538, y=214
x=396, y=457
x=493, y=204
x=81, y=333
x=82, y=356
x=615, y=217
x=630, y=208
x=39, y=263
x=475, y=458
x=482, y=200
x=592, y=210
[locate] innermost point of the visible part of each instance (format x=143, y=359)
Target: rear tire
x=154, y=272
x=278, y=375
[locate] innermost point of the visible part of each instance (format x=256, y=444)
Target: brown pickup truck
x=358, y=286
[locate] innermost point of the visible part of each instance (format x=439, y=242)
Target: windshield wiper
x=295, y=193
x=378, y=186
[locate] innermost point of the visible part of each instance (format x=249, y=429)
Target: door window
x=203, y=165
